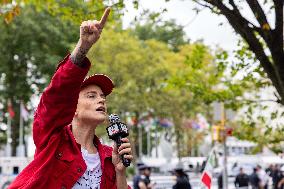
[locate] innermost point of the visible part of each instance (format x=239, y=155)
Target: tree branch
x=258, y=12
x=258, y=101
x=241, y=26
x=262, y=20
x=232, y=2
x=203, y=5
x=278, y=31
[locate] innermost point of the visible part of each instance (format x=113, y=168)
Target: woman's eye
x=91, y=96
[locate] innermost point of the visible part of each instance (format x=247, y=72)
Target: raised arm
x=58, y=102
x=89, y=34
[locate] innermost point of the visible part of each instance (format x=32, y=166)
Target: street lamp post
x=223, y=130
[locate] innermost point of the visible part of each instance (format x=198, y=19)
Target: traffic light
x=229, y=131
x=218, y=133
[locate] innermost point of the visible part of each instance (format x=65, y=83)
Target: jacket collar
x=104, y=151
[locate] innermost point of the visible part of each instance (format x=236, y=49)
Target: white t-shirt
x=91, y=179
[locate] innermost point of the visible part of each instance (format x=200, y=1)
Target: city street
x=167, y=183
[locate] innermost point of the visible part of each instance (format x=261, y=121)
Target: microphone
x=116, y=131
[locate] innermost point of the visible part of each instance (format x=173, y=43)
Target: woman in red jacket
x=68, y=153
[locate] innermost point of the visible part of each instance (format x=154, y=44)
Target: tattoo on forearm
x=78, y=56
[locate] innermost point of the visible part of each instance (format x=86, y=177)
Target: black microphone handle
x=126, y=162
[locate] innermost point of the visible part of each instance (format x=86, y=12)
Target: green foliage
x=168, y=32
x=71, y=10
x=150, y=77
x=31, y=47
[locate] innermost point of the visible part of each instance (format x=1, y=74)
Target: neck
x=84, y=135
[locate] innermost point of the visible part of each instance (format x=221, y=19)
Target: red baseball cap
x=101, y=80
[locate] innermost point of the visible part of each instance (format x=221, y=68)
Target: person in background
x=242, y=180
x=264, y=178
x=137, y=177
x=220, y=180
x=276, y=175
x=280, y=184
x=144, y=181
x=254, y=179
x=182, y=180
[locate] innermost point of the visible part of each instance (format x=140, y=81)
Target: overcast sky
x=203, y=26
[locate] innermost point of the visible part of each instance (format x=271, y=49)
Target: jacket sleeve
x=58, y=102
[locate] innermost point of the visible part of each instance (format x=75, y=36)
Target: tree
x=168, y=32
x=74, y=11
x=264, y=39
x=31, y=47
x=151, y=78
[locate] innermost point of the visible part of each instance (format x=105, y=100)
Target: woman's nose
x=102, y=100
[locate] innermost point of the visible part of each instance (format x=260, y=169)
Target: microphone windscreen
x=113, y=118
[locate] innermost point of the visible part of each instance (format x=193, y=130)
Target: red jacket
x=58, y=162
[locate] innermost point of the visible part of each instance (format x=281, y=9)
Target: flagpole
x=8, y=144
x=207, y=168
x=140, y=140
x=21, y=142
x=156, y=138
x=225, y=172
x=148, y=141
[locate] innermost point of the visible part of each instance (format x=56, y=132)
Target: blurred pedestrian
x=68, y=152
x=138, y=176
x=280, y=184
x=254, y=179
x=276, y=175
x=182, y=180
x=264, y=178
x=220, y=180
x=242, y=180
x=143, y=181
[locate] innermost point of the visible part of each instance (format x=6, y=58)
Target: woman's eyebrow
x=94, y=92
x=91, y=92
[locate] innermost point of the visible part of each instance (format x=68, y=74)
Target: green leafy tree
x=75, y=10
x=151, y=78
x=168, y=32
x=31, y=47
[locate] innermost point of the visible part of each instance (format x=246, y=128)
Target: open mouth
x=101, y=109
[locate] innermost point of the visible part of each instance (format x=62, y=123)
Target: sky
x=204, y=26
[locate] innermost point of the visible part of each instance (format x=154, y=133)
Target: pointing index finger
x=104, y=17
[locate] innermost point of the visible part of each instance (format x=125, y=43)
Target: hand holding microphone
x=118, y=132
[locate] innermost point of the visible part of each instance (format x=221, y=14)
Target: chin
x=101, y=118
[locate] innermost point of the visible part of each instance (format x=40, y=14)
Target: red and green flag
x=207, y=175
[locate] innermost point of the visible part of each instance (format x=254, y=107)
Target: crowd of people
x=259, y=179
x=142, y=179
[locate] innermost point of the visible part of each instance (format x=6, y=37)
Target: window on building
x=15, y=170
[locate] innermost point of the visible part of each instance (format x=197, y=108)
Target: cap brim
x=101, y=80
x=144, y=167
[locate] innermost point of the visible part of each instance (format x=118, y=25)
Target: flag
x=207, y=175
x=10, y=109
x=166, y=123
x=192, y=124
x=24, y=112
